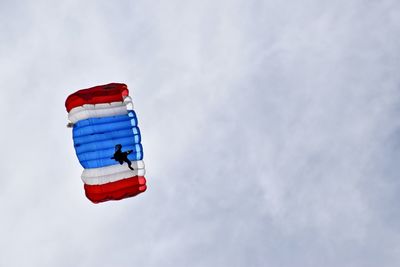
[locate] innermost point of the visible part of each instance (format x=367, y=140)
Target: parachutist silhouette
x=122, y=157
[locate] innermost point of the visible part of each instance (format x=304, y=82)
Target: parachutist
x=122, y=157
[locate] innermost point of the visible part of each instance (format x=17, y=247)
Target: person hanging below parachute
x=122, y=157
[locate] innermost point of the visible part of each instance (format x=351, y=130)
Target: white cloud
x=270, y=132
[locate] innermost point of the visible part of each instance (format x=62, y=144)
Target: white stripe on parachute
x=87, y=111
x=112, y=173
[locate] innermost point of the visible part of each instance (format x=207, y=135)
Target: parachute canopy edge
x=112, y=92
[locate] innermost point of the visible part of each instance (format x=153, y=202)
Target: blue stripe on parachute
x=105, y=144
x=95, y=139
x=78, y=141
x=107, y=153
x=97, y=163
x=105, y=127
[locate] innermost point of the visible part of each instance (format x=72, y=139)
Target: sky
x=270, y=129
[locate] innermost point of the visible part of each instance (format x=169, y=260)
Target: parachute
x=107, y=142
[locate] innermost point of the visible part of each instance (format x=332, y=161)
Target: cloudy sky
x=270, y=128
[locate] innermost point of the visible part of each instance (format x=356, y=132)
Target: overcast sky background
x=270, y=131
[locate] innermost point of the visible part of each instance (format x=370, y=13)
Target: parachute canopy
x=107, y=142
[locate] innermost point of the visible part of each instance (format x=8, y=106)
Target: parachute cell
x=104, y=122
